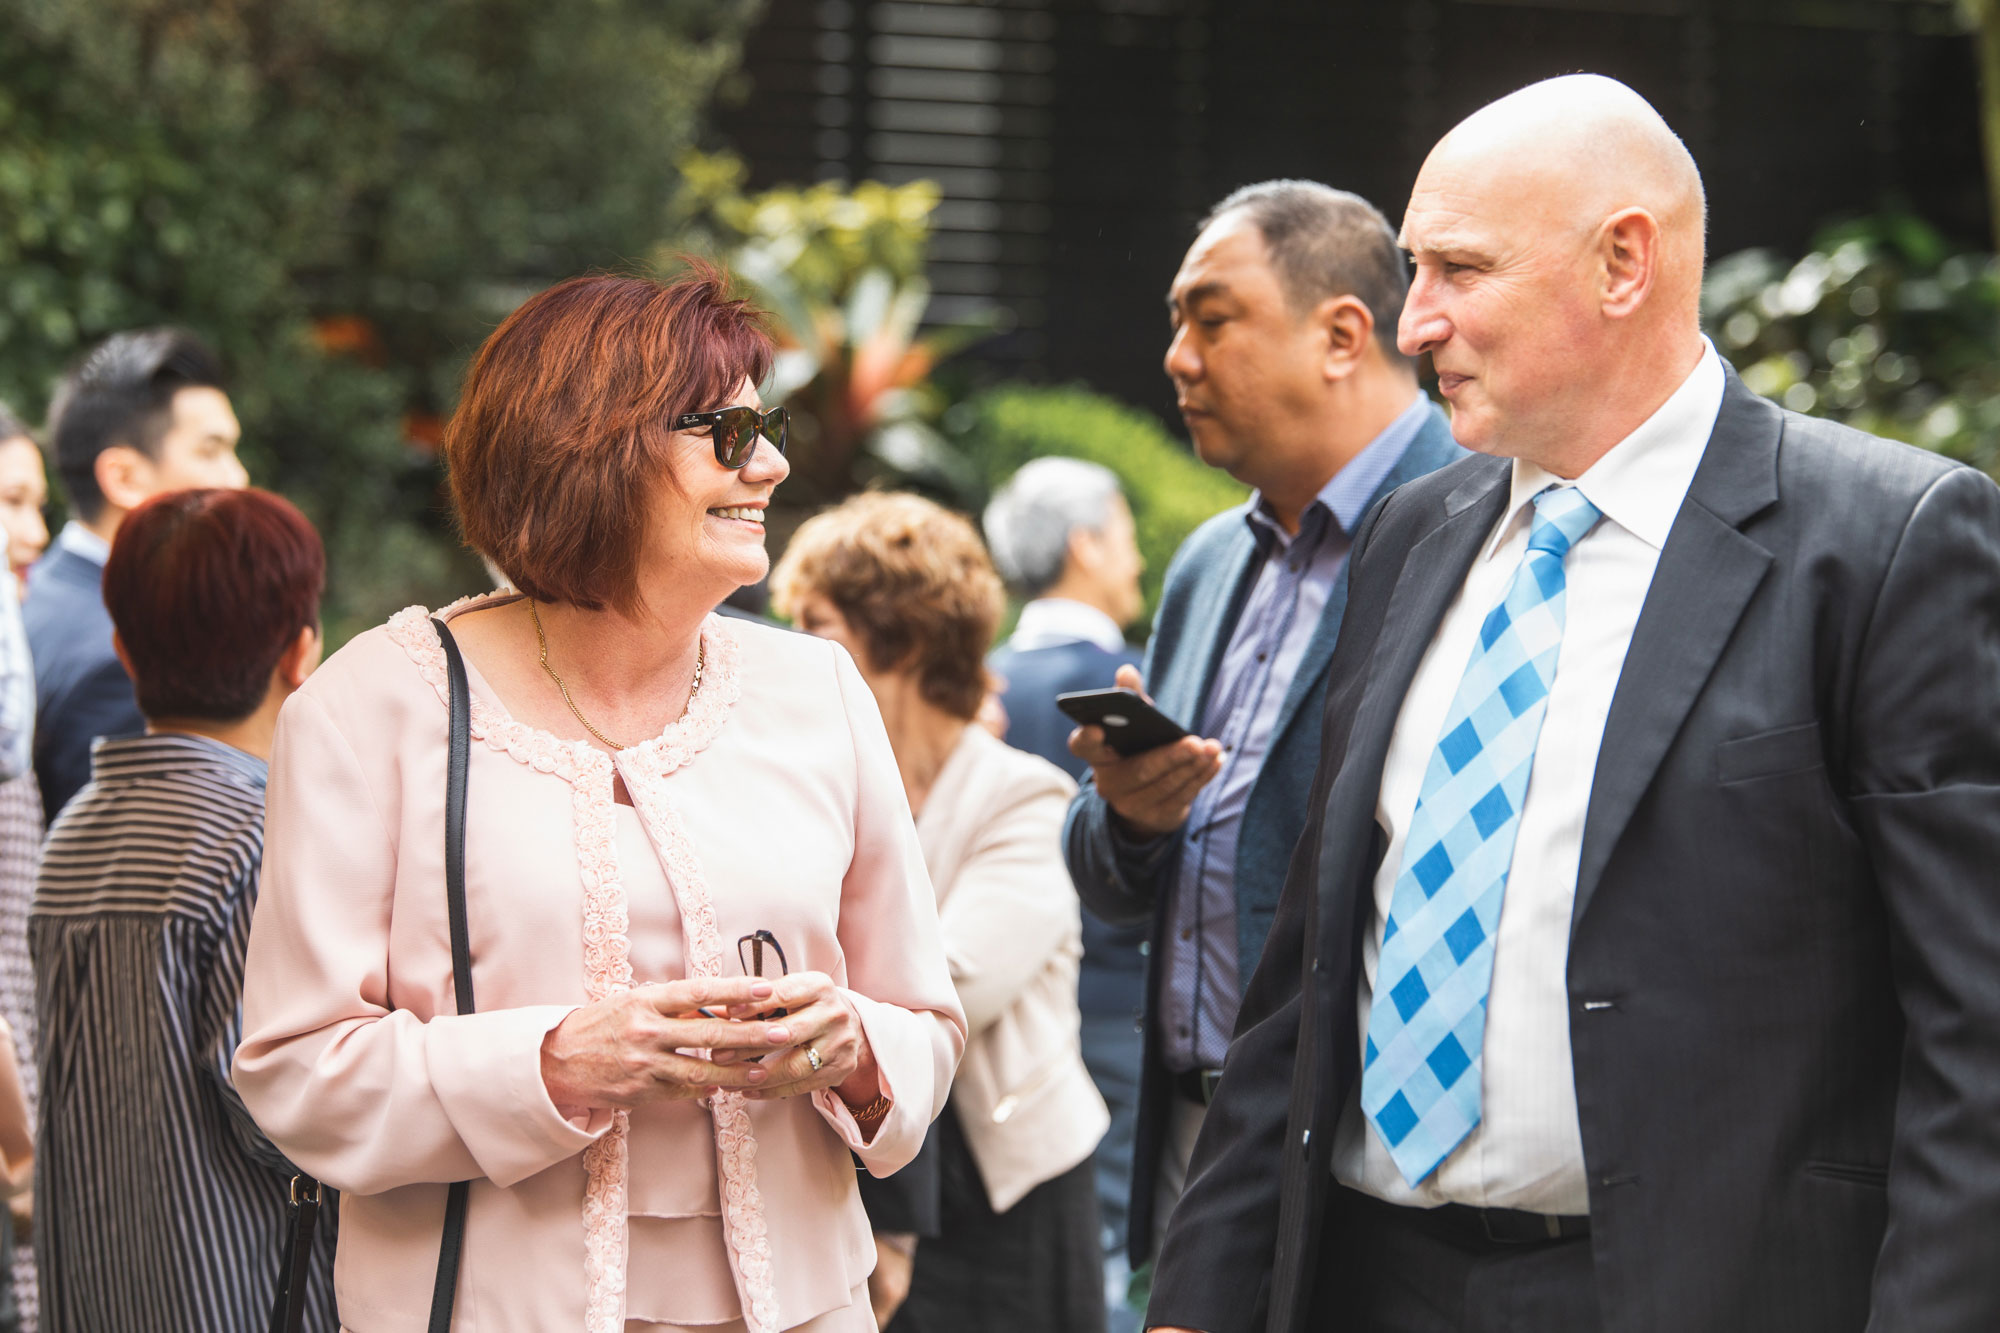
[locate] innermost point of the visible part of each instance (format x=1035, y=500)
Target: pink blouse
x=774, y=804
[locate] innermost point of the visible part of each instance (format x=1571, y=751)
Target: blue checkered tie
x=1426, y=1030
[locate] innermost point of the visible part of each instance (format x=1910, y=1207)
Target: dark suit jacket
x=1785, y=949
x=1112, y=979
x=1203, y=594
x=81, y=690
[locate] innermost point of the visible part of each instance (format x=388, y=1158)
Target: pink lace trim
x=606, y=946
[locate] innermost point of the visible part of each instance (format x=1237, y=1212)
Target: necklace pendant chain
x=700, y=661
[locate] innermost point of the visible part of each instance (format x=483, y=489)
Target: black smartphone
x=1131, y=725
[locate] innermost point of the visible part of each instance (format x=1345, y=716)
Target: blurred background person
x=160, y=1204
x=1284, y=361
x=1062, y=536
x=650, y=786
x=907, y=589
x=143, y=413
x=24, y=489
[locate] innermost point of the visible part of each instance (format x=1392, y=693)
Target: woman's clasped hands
x=655, y=1043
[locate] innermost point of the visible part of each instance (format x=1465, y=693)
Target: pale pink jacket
x=774, y=804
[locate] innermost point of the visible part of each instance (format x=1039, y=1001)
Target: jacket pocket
x=1004, y=1109
x=1850, y=1173
x=1770, y=754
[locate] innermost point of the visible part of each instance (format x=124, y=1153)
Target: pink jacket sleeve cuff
x=486, y=1070
x=905, y=1060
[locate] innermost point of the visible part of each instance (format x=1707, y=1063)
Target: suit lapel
x=1210, y=621
x=1707, y=574
x=1432, y=574
x=1430, y=449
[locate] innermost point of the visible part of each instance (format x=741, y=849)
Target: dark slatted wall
x=1078, y=140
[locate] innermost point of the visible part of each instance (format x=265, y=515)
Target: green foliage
x=1170, y=491
x=1880, y=326
x=345, y=196
x=823, y=236
x=840, y=268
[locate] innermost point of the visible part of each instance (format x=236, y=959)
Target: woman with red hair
x=704, y=953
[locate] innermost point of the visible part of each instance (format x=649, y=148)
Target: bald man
x=1639, y=967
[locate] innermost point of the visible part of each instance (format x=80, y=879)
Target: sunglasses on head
x=735, y=431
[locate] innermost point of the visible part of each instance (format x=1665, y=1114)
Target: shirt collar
x=1640, y=483
x=1049, y=621
x=1347, y=493
x=81, y=541
x=171, y=752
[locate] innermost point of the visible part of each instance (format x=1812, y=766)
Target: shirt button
x=1187, y=932
x=1260, y=656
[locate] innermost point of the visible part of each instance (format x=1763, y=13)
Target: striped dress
x=159, y=1206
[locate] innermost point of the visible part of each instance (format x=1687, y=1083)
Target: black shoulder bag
x=288, y=1311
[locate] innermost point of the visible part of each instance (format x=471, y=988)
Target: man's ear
x=1349, y=327
x=1083, y=552
x=125, y=476
x=1629, y=246
x=299, y=659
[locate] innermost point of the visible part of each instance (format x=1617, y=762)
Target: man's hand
x=1151, y=791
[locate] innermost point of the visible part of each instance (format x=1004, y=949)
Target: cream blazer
x=991, y=831
x=774, y=804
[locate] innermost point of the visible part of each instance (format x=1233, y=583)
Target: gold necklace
x=700, y=661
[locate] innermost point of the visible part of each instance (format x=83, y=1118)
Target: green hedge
x=1171, y=492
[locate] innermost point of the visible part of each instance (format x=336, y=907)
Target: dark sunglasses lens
x=776, y=421
x=735, y=436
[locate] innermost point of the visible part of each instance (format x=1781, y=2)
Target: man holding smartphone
x=1284, y=363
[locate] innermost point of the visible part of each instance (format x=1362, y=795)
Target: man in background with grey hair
x=1285, y=364
x=1062, y=536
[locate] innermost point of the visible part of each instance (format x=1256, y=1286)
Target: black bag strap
x=288, y=1309
x=445, y=1290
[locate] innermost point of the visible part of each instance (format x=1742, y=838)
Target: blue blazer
x=1205, y=589
x=1112, y=980
x=81, y=690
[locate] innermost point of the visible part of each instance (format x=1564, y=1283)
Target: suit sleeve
x=1117, y=874
x=1923, y=768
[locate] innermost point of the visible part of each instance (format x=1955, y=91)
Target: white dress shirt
x=1527, y=1150
x=1049, y=621
x=79, y=540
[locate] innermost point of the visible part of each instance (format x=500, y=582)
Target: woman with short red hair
x=157, y=1199
x=704, y=954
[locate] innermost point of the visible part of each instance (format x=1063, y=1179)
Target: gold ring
x=812, y=1058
